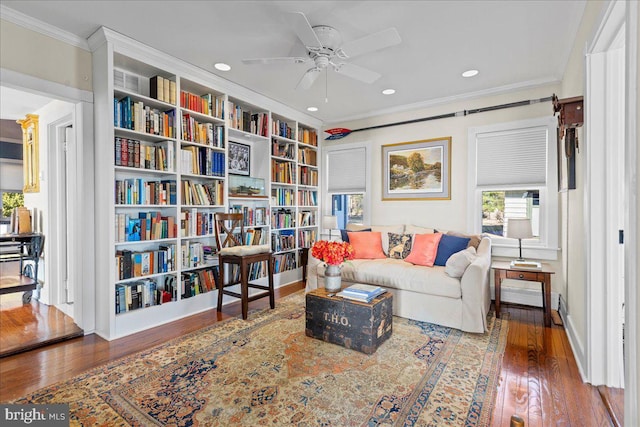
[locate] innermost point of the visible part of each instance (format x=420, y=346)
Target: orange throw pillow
x=424, y=249
x=367, y=244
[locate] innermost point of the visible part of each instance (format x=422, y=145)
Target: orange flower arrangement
x=333, y=253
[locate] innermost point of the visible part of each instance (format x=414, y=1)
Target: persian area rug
x=266, y=371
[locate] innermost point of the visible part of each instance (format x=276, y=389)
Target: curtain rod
x=339, y=133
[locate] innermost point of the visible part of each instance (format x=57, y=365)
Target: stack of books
x=361, y=292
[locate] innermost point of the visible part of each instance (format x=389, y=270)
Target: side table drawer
x=523, y=275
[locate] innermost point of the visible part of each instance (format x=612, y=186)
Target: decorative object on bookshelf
x=333, y=254
x=239, y=158
x=520, y=228
x=417, y=170
x=245, y=186
x=30, y=153
x=330, y=222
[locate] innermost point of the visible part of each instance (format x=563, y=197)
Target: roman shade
x=347, y=170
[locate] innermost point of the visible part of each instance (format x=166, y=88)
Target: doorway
x=49, y=316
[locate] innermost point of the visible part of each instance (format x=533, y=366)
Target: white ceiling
x=514, y=44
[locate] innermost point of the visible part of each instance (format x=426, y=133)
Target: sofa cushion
x=414, y=229
x=448, y=246
x=457, y=263
x=366, y=244
x=424, y=249
x=393, y=273
x=384, y=230
x=344, y=234
x=399, y=245
x=474, y=238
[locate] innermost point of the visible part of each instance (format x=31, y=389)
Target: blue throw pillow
x=345, y=236
x=448, y=246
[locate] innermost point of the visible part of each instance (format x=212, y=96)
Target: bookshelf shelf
x=181, y=119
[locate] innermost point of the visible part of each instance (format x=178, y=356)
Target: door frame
x=84, y=227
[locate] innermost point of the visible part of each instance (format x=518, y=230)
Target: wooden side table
x=503, y=270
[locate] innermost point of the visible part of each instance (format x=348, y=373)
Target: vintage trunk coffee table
x=356, y=325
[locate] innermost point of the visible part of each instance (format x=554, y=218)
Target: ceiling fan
x=325, y=48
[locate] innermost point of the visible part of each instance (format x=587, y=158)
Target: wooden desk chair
x=231, y=250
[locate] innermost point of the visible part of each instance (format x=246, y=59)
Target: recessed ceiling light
x=470, y=73
x=222, y=66
x=389, y=91
x=312, y=108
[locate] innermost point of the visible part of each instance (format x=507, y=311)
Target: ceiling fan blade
x=309, y=77
x=281, y=60
x=303, y=29
x=357, y=72
x=370, y=43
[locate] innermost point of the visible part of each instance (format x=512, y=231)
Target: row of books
x=256, y=271
x=282, y=218
x=132, y=115
x=199, y=282
x=202, y=161
x=144, y=226
x=252, y=217
x=282, y=128
x=256, y=123
x=25, y=220
x=139, y=294
x=283, y=240
x=361, y=292
x=283, y=172
x=162, y=89
x=306, y=218
x=307, y=176
x=207, y=194
x=252, y=236
x=283, y=196
x=204, y=104
x=308, y=136
x=284, y=262
x=308, y=156
x=306, y=238
x=193, y=254
x=285, y=150
x=137, y=264
x=136, y=191
x=194, y=223
x=307, y=198
x=134, y=154
x=202, y=133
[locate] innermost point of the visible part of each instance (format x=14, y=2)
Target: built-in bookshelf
x=168, y=127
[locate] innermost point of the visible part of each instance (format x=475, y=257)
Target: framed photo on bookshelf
x=417, y=170
x=239, y=158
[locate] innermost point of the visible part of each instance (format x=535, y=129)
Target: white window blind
x=512, y=157
x=346, y=170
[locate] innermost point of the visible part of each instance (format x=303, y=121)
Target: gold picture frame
x=417, y=170
x=30, y=153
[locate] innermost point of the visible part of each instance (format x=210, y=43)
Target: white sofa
x=423, y=293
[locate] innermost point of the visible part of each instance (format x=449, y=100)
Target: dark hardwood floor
x=539, y=379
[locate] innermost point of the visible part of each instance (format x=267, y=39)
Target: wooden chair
x=231, y=250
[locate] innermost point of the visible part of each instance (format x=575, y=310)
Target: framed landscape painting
x=417, y=170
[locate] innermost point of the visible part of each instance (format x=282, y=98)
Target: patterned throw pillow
x=399, y=245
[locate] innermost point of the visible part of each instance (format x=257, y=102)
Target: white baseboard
x=574, y=341
x=530, y=297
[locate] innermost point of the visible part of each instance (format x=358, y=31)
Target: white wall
x=44, y=57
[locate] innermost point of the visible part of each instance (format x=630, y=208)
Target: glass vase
x=332, y=279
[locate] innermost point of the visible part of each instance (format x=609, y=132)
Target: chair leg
x=220, y=285
x=244, y=288
x=272, y=300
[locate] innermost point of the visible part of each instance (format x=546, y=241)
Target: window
x=347, y=173
x=513, y=174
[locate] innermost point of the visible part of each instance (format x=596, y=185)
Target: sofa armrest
x=312, y=272
x=476, y=298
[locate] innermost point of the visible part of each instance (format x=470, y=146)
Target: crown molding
x=41, y=27
x=516, y=87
